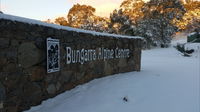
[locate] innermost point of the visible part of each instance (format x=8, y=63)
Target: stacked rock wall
x=24, y=81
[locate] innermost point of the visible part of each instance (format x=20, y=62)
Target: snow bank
x=31, y=21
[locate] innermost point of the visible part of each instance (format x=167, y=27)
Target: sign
x=53, y=55
x=84, y=55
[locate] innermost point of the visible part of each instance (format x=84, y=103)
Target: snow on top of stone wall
x=31, y=21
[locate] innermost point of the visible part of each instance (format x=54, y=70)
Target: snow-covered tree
x=156, y=32
x=191, y=19
x=120, y=23
x=80, y=14
x=156, y=25
x=61, y=21
x=133, y=9
x=99, y=24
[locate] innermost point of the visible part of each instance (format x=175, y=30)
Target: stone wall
x=24, y=80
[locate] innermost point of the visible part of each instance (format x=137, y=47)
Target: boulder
x=29, y=55
x=51, y=89
x=65, y=76
x=4, y=42
x=108, y=69
x=2, y=95
x=37, y=73
x=3, y=62
x=11, y=67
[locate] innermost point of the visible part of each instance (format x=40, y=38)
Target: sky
x=48, y=9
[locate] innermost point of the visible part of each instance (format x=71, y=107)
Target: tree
x=191, y=19
x=99, y=24
x=48, y=21
x=120, y=23
x=169, y=9
x=156, y=32
x=61, y=21
x=157, y=24
x=124, y=20
x=80, y=14
x=133, y=9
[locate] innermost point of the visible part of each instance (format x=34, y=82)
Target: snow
x=168, y=82
x=31, y=21
x=182, y=39
x=190, y=34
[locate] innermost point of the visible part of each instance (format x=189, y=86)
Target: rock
x=11, y=109
x=11, y=53
x=37, y=73
x=51, y=89
x=29, y=55
x=14, y=43
x=13, y=79
x=107, y=68
x=32, y=92
x=122, y=63
x=3, y=62
x=1, y=105
x=2, y=94
x=58, y=85
x=49, y=78
x=11, y=67
x=50, y=31
x=98, y=70
x=65, y=76
x=40, y=43
x=79, y=75
x=131, y=62
x=4, y=42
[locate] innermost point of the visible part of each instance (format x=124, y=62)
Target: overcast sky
x=44, y=9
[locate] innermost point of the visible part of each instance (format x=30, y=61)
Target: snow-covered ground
x=168, y=82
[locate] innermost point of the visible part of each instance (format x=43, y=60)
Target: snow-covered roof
x=31, y=21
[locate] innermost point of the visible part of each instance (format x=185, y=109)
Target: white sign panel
x=53, y=55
